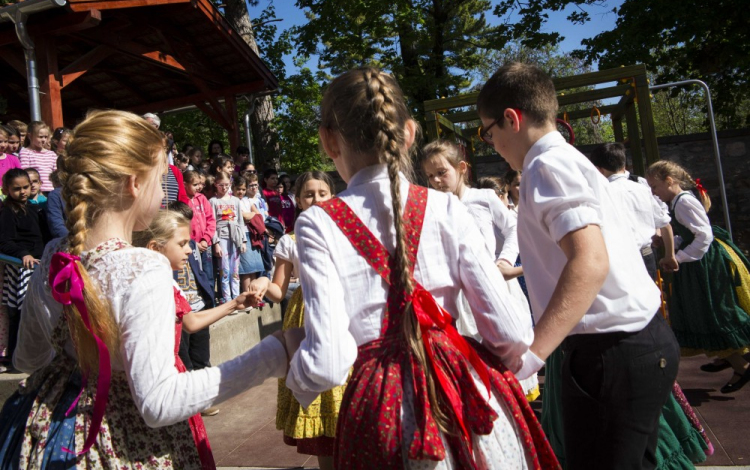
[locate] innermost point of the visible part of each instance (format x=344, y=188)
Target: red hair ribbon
x=701, y=190
x=430, y=315
x=67, y=288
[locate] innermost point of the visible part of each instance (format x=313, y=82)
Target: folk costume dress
x=710, y=300
x=354, y=316
x=312, y=429
x=134, y=412
x=498, y=227
x=197, y=428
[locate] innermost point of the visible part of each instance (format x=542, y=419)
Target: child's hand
x=258, y=288
x=669, y=264
x=244, y=301
x=293, y=337
x=244, y=248
x=203, y=246
x=217, y=250
x=29, y=262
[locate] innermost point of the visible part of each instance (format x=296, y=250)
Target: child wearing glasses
x=229, y=240
x=589, y=289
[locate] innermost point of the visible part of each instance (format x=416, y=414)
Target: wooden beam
x=463, y=116
x=209, y=111
x=89, y=94
x=602, y=76
x=592, y=95
x=586, y=113
x=56, y=26
x=129, y=88
x=562, y=83
x=647, y=120
x=128, y=46
x=173, y=103
x=78, y=5
x=49, y=87
x=84, y=63
x=215, y=18
x=14, y=58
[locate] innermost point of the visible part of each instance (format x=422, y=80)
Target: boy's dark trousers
x=614, y=386
x=195, y=349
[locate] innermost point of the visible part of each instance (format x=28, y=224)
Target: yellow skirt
x=319, y=419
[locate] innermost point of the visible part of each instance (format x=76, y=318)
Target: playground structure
x=634, y=103
x=633, y=107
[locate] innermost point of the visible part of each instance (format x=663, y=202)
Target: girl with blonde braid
x=382, y=267
x=709, y=308
x=97, y=333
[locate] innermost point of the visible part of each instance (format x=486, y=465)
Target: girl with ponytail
x=709, y=307
x=97, y=331
x=382, y=266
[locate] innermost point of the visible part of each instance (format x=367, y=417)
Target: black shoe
x=716, y=366
x=733, y=387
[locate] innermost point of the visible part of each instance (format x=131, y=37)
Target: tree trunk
x=265, y=139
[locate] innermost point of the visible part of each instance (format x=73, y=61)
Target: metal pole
x=18, y=13
x=35, y=107
x=249, y=137
x=715, y=139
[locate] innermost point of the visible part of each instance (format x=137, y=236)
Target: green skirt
x=709, y=301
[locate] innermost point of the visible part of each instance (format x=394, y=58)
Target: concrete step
x=235, y=334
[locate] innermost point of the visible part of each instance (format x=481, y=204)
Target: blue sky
x=602, y=19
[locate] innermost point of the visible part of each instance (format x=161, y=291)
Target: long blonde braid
x=107, y=148
x=367, y=108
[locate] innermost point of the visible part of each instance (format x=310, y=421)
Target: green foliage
x=430, y=46
x=297, y=118
x=679, y=39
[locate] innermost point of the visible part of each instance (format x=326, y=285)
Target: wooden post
x=49, y=84
x=635, y=140
x=647, y=119
x=617, y=127
x=432, y=126
x=230, y=102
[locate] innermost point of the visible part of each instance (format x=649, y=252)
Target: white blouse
x=689, y=211
x=138, y=284
x=497, y=225
x=345, y=297
x=561, y=192
x=286, y=249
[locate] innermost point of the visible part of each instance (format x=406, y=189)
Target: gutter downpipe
x=715, y=139
x=18, y=13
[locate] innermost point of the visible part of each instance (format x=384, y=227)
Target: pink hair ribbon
x=67, y=288
x=699, y=187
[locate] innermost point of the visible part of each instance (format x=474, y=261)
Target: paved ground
x=243, y=435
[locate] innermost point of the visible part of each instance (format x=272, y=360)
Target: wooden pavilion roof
x=136, y=55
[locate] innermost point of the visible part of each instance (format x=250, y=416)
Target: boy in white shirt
x=589, y=289
x=645, y=212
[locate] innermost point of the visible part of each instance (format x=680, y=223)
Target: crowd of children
x=227, y=226
x=411, y=342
